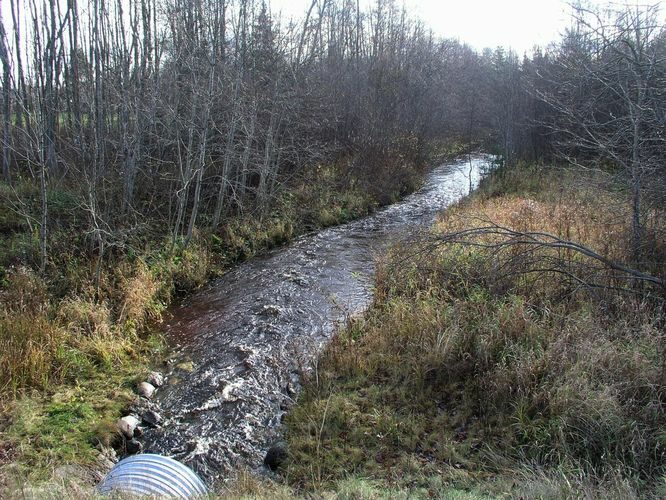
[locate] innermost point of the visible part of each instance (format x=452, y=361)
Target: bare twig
x=497, y=238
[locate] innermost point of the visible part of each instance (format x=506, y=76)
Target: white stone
x=156, y=379
x=271, y=310
x=146, y=390
x=127, y=424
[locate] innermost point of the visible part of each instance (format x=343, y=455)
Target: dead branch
x=497, y=238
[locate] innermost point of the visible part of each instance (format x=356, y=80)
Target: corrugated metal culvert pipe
x=153, y=475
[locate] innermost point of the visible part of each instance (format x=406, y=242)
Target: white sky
x=519, y=24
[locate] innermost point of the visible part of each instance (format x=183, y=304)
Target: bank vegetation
x=148, y=145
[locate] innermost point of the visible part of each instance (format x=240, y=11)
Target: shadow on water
x=243, y=340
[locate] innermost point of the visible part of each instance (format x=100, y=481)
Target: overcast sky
x=519, y=24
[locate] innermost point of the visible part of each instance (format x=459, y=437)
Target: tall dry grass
x=479, y=365
x=28, y=339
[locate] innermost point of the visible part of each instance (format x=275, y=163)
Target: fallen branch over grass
x=498, y=239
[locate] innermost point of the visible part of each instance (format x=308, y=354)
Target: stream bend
x=242, y=341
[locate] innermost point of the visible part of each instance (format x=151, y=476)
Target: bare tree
x=174, y=113
x=609, y=90
x=6, y=102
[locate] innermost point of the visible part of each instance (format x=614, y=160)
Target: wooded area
x=131, y=126
x=174, y=114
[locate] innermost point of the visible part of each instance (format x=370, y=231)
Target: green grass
x=75, y=420
x=247, y=486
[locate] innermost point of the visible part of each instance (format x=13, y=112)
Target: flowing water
x=241, y=343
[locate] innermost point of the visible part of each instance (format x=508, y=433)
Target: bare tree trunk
x=47, y=77
x=265, y=172
x=201, y=167
x=43, y=231
x=249, y=139
x=197, y=190
x=125, y=124
x=636, y=188
x=226, y=163
x=22, y=117
x=6, y=104
x=301, y=43
x=186, y=177
x=74, y=62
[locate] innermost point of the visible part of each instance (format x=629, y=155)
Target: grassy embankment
x=478, y=375
x=72, y=347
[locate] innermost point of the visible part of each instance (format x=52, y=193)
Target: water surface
x=242, y=341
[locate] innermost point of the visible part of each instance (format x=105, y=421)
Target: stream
x=241, y=343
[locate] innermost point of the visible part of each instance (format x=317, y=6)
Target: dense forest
x=148, y=145
x=177, y=114
x=174, y=115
